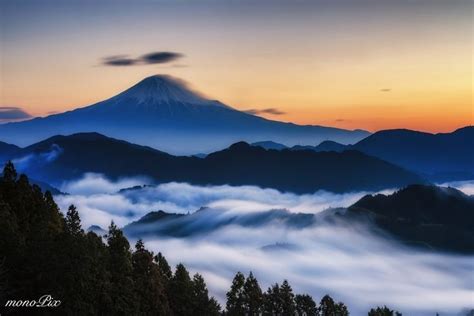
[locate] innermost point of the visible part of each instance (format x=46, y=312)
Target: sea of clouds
x=101, y=200
x=347, y=262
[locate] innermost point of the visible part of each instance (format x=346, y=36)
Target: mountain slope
x=437, y=217
x=162, y=112
x=438, y=157
x=63, y=158
x=7, y=150
x=270, y=145
x=326, y=145
x=443, y=157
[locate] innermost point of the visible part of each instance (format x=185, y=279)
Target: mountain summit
x=162, y=89
x=162, y=112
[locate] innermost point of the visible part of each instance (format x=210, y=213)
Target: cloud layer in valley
x=347, y=262
x=36, y=160
x=91, y=191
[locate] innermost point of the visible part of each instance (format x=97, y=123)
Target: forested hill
x=435, y=217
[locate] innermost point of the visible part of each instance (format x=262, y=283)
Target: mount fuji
x=162, y=112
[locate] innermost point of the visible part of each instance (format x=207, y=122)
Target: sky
x=351, y=64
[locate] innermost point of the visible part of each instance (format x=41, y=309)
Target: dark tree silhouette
x=287, y=298
x=149, y=288
x=73, y=221
x=202, y=304
x=235, y=297
x=383, y=311
x=305, y=305
x=120, y=269
x=327, y=307
x=252, y=296
x=163, y=266
x=181, y=292
x=272, y=301
x=9, y=173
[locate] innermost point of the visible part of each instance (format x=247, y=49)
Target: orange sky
x=368, y=67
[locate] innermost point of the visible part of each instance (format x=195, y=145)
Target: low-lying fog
x=349, y=263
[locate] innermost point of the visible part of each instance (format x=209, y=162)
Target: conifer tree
x=73, y=221
x=148, y=281
x=202, y=304
x=120, y=270
x=181, y=292
x=327, y=307
x=252, y=296
x=383, y=311
x=341, y=309
x=305, y=305
x=273, y=305
x=163, y=266
x=235, y=297
x=9, y=173
x=287, y=298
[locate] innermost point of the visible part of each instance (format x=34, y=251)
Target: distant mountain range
x=438, y=157
x=162, y=112
x=62, y=158
x=423, y=216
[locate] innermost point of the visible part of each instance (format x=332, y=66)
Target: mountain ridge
x=438, y=157
x=64, y=158
x=7, y=149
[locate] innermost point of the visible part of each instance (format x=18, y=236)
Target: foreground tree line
x=43, y=252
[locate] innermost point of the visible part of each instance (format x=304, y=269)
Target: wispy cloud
x=146, y=59
x=467, y=186
x=272, y=111
x=13, y=113
x=36, y=160
x=385, y=90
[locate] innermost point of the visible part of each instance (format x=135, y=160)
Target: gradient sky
x=352, y=64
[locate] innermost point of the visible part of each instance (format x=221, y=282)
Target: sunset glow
x=355, y=64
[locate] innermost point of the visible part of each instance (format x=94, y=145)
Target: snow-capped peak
x=163, y=89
